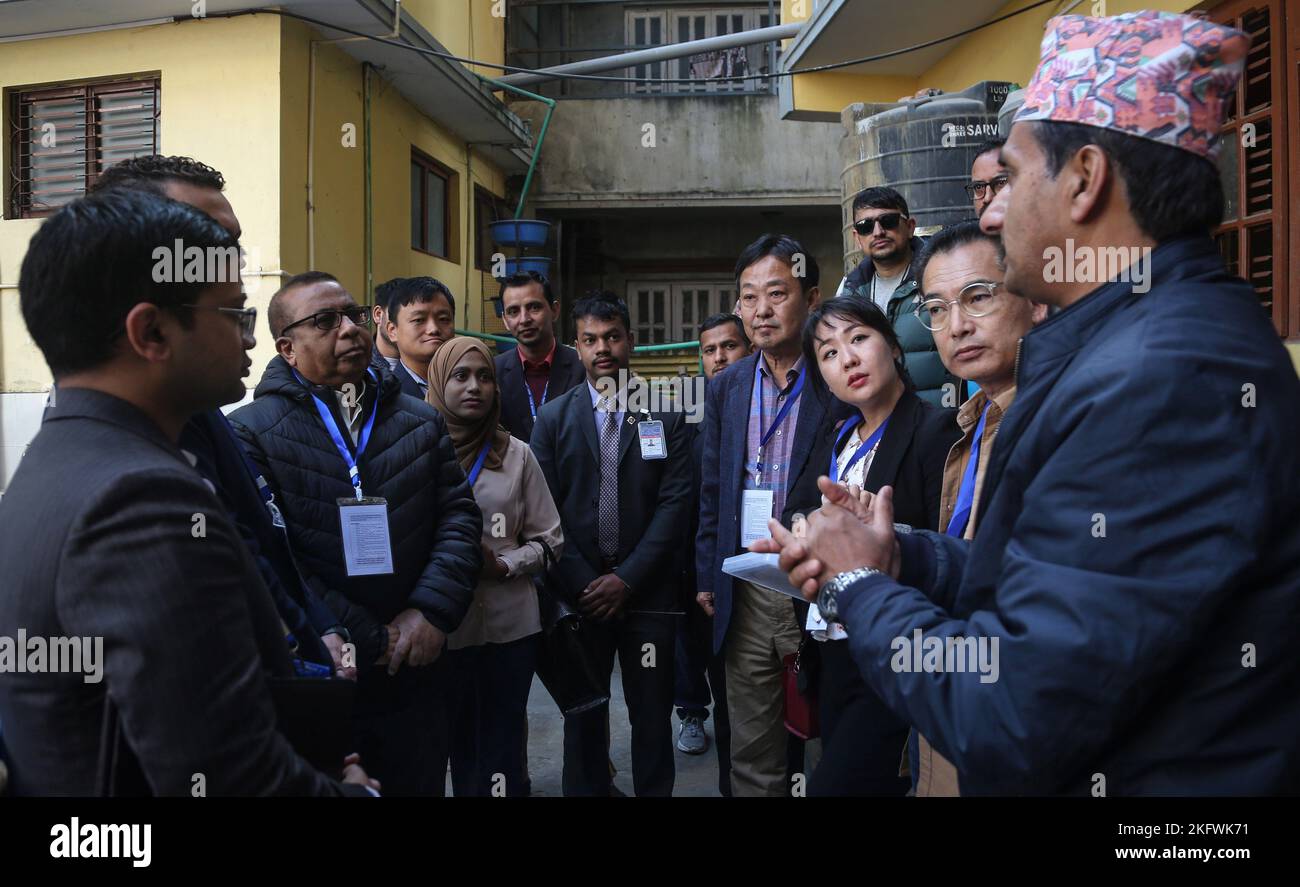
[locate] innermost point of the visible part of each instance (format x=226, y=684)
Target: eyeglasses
x=888, y=222
x=245, y=317
x=977, y=188
x=978, y=299
x=328, y=320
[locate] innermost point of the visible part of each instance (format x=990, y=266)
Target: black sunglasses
x=888, y=222
x=328, y=320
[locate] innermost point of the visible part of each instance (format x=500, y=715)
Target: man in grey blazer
x=109, y=535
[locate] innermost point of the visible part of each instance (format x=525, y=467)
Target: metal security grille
x=64, y=137
x=1253, y=162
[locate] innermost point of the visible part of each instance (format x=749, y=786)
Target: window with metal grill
x=63, y=137
x=1253, y=162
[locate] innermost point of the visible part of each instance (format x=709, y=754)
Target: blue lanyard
x=478, y=463
x=332, y=427
x=532, y=406
x=862, y=450
x=780, y=414
x=966, y=492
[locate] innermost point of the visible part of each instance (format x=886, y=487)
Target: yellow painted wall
x=339, y=181
x=219, y=104
x=1005, y=51
x=1009, y=50
x=454, y=22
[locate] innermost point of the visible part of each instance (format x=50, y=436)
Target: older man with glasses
x=378, y=513
x=977, y=326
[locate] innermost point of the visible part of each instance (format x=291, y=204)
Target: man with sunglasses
x=987, y=176
x=379, y=513
x=885, y=232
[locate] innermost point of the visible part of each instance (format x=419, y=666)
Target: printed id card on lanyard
x=757, y=506
x=651, y=435
x=367, y=550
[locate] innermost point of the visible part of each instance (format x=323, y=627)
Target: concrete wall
x=700, y=150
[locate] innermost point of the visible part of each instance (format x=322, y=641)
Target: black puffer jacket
x=434, y=523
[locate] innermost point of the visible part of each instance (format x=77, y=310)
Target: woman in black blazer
x=894, y=439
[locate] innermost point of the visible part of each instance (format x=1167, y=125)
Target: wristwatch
x=827, y=595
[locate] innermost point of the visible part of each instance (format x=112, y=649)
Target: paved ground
x=697, y=775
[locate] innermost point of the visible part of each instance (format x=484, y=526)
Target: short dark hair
x=602, y=305
x=93, y=260
x=950, y=238
x=880, y=198
x=417, y=289
x=858, y=309
x=151, y=170
x=385, y=291
x=718, y=320
x=276, y=317
x=994, y=144
x=524, y=278
x=1171, y=192
x=785, y=248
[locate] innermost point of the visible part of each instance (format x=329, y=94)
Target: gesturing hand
x=842, y=535
x=419, y=641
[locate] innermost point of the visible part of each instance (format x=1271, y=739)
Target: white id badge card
x=366, y=549
x=651, y=435
x=755, y=509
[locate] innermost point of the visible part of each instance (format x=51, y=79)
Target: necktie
x=607, y=534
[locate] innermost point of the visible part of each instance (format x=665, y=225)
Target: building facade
x=341, y=153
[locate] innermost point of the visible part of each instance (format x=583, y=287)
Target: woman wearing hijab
x=491, y=655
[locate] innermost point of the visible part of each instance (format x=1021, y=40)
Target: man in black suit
x=108, y=532
x=419, y=316
x=620, y=476
x=539, y=368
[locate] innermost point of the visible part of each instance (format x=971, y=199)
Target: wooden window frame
x=450, y=208
x=20, y=99
x=1284, y=57
x=482, y=238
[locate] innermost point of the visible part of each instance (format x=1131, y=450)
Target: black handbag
x=564, y=661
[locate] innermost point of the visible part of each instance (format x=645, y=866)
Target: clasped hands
x=852, y=529
x=412, y=640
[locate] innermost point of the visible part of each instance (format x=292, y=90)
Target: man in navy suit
x=620, y=476
x=539, y=368
x=421, y=315
x=760, y=421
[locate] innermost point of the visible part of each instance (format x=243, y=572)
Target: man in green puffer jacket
x=883, y=229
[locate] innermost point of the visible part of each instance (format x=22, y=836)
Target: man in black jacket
x=620, y=476
x=539, y=368
x=329, y=428
x=107, y=532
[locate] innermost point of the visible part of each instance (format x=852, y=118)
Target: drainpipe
x=311, y=132
x=541, y=135
x=655, y=54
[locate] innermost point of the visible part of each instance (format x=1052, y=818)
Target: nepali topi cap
x=1157, y=75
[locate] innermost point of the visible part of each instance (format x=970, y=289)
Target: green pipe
x=640, y=349
x=541, y=136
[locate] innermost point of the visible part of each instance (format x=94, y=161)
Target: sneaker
x=691, y=738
